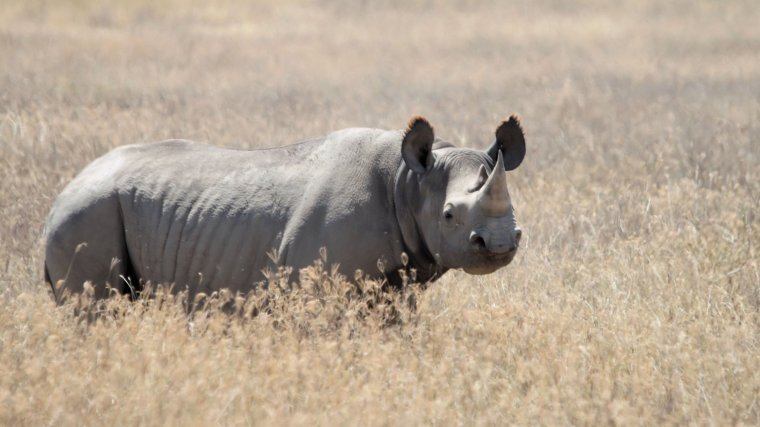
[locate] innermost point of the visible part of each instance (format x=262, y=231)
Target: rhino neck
x=406, y=198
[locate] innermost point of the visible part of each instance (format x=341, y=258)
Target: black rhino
x=205, y=218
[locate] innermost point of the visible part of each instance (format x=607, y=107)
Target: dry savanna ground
x=633, y=301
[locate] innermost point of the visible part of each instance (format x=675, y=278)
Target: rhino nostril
x=477, y=240
x=518, y=235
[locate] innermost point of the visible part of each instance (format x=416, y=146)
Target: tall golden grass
x=634, y=299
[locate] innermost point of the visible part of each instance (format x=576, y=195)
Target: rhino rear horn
x=417, y=146
x=510, y=140
x=494, y=197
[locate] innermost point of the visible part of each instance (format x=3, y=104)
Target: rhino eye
x=448, y=212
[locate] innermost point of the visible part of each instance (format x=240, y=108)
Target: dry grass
x=635, y=299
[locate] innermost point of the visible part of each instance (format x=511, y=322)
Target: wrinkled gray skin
x=205, y=218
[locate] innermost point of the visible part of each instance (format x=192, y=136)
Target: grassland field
x=634, y=299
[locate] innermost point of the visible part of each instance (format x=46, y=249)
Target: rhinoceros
x=205, y=218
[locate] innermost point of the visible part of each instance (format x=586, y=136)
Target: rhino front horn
x=494, y=197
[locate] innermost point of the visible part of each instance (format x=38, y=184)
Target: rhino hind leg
x=88, y=244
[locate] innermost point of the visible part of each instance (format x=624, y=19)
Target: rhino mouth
x=502, y=259
x=490, y=262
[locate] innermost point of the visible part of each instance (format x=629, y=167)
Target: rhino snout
x=501, y=244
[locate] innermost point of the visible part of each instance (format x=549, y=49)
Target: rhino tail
x=47, y=276
x=131, y=281
x=49, y=281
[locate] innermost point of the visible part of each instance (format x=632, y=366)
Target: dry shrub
x=322, y=310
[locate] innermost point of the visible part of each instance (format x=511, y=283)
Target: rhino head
x=457, y=210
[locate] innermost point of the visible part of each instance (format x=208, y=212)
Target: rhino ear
x=510, y=140
x=417, y=145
